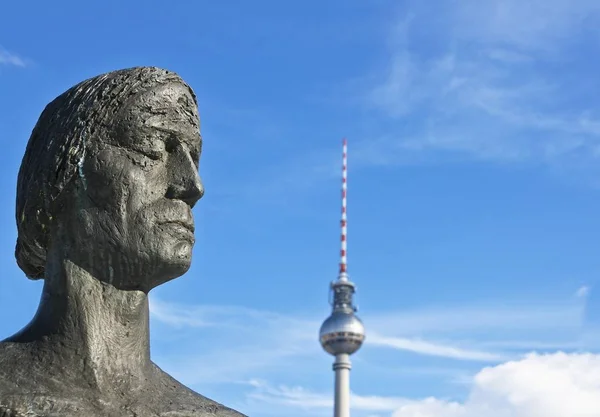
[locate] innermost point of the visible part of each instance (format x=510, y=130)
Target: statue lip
x=188, y=225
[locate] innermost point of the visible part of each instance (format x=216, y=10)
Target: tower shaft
x=342, y=367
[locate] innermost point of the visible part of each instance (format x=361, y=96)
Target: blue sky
x=474, y=193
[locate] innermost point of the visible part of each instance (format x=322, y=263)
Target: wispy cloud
x=592, y=315
x=244, y=341
x=435, y=349
x=582, y=291
x=284, y=395
x=495, y=80
x=247, y=342
x=209, y=315
x=504, y=82
x=500, y=318
x=9, y=58
x=529, y=345
x=257, y=346
x=305, y=399
x=532, y=25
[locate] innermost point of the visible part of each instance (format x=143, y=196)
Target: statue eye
x=154, y=154
x=171, y=142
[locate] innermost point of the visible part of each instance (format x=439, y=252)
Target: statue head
x=109, y=178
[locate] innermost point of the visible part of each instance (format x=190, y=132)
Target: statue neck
x=105, y=328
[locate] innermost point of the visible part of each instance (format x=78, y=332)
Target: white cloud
x=9, y=58
x=552, y=385
x=557, y=385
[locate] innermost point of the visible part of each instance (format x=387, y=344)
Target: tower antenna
x=344, y=221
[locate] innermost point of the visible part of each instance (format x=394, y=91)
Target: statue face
x=135, y=228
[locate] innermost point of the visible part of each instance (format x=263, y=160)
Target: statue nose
x=185, y=183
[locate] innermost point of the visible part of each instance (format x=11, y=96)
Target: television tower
x=342, y=333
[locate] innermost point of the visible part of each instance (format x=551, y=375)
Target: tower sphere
x=342, y=333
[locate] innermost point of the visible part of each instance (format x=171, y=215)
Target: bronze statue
x=104, y=213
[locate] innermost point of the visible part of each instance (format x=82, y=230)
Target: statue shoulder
x=187, y=413
x=20, y=365
x=14, y=357
x=11, y=373
x=9, y=355
x=188, y=402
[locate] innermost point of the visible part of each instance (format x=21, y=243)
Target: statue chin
x=163, y=271
x=173, y=266
x=169, y=272
x=156, y=259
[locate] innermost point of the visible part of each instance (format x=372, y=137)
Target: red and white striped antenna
x=343, y=223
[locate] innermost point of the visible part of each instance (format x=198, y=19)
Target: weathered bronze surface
x=104, y=214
